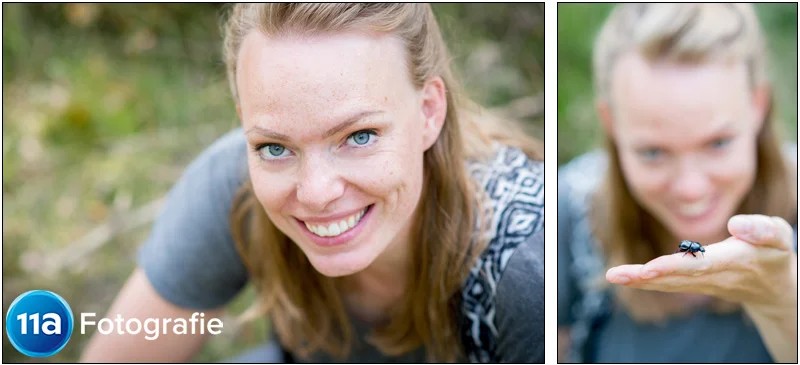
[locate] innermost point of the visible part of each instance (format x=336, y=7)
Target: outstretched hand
x=754, y=266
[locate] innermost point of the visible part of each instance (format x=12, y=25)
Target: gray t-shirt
x=601, y=334
x=191, y=260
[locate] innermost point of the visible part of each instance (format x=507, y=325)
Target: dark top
x=191, y=260
x=602, y=334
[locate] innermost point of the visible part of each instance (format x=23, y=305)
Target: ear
x=604, y=113
x=434, y=110
x=761, y=102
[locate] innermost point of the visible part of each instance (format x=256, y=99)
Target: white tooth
x=322, y=231
x=333, y=230
x=352, y=221
x=343, y=226
x=310, y=227
x=694, y=208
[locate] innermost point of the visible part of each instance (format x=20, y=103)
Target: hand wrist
x=785, y=298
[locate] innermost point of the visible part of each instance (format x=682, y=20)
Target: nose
x=691, y=182
x=319, y=183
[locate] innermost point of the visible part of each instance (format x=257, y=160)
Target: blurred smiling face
x=336, y=133
x=686, y=138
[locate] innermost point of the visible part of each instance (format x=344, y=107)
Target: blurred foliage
x=578, y=25
x=105, y=104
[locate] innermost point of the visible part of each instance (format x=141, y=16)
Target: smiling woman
x=692, y=164
x=381, y=215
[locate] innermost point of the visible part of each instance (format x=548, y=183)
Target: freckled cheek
x=387, y=179
x=644, y=179
x=735, y=169
x=650, y=192
x=272, y=191
x=736, y=173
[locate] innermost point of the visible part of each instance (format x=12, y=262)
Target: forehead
x=663, y=101
x=316, y=73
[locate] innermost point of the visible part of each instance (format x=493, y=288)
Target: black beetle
x=691, y=247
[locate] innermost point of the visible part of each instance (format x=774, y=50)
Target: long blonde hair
x=688, y=34
x=305, y=306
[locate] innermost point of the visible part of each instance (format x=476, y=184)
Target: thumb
x=761, y=230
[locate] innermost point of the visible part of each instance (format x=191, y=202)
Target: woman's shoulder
x=505, y=311
x=514, y=208
x=582, y=174
x=578, y=180
x=503, y=302
x=513, y=202
x=189, y=255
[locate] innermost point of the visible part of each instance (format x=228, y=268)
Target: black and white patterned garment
x=515, y=187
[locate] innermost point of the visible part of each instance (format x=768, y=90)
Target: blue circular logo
x=39, y=323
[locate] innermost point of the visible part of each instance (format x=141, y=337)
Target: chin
x=340, y=264
x=706, y=229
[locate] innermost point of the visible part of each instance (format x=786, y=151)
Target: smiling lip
x=341, y=238
x=710, y=206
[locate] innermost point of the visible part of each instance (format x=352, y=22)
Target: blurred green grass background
x=578, y=25
x=105, y=104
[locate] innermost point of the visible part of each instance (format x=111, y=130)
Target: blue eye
x=271, y=150
x=720, y=143
x=651, y=153
x=275, y=149
x=361, y=137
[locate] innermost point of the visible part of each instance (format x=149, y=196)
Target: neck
x=394, y=263
x=372, y=294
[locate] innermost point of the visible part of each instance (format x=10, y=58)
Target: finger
x=636, y=276
x=623, y=274
x=718, y=256
x=762, y=230
x=678, y=264
x=633, y=276
x=657, y=268
x=679, y=284
x=785, y=233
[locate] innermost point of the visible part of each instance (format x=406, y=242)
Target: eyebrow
x=722, y=128
x=335, y=129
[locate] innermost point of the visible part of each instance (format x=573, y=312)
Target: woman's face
x=336, y=134
x=686, y=138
